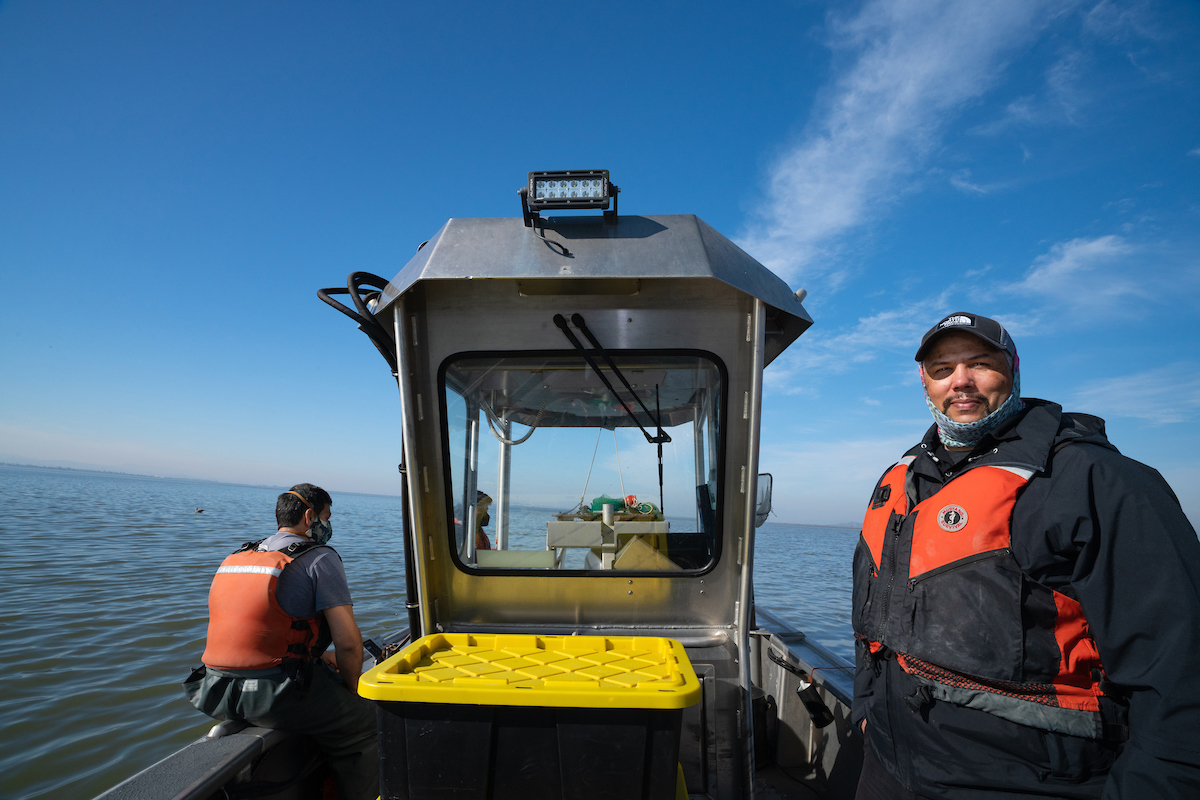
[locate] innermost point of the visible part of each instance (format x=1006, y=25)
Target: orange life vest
x=946, y=595
x=247, y=629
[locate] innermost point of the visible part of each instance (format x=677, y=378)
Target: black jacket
x=1109, y=533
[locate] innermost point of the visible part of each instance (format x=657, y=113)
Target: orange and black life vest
x=247, y=629
x=937, y=584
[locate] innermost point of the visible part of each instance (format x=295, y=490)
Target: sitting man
x=274, y=607
x=482, y=503
x=1026, y=600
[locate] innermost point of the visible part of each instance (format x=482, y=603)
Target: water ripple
x=105, y=586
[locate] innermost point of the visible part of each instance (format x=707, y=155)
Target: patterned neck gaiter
x=968, y=434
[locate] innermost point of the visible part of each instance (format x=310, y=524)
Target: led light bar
x=565, y=189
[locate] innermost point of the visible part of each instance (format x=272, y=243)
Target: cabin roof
x=671, y=246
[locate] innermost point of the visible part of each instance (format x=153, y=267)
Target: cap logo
x=952, y=518
x=954, y=321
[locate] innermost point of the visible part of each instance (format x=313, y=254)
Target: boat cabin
x=580, y=404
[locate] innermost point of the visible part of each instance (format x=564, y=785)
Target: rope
x=620, y=477
x=589, y=475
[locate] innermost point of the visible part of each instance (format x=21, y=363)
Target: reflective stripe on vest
x=958, y=540
x=247, y=629
x=249, y=571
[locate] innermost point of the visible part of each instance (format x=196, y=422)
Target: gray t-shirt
x=311, y=583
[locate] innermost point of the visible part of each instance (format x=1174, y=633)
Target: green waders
x=317, y=704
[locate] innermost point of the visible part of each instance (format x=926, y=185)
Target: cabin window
x=537, y=445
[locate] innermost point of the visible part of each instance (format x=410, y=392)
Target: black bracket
x=529, y=216
x=610, y=216
x=533, y=219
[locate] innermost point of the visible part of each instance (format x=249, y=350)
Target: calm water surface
x=105, y=586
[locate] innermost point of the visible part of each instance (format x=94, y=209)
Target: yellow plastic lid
x=527, y=670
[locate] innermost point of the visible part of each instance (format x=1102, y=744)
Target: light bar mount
x=532, y=211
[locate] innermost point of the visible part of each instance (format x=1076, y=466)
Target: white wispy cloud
x=1065, y=92
x=1074, y=279
x=913, y=66
x=1126, y=20
x=1064, y=82
x=1057, y=102
x=1164, y=395
x=884, y=333
x=961, y=180
x=1089, y=274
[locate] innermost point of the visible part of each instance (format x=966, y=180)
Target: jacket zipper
x=912, y=582
x=897, y=524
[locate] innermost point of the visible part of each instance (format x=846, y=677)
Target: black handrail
x=386, y=345
x=364, y=317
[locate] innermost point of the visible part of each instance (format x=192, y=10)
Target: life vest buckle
x=882, y=493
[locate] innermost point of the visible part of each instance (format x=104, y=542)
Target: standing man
x=1026, y=600
x=274, y=607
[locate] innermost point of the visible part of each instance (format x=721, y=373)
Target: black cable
x=537, y=231
x=363, y=317
x=785, y=664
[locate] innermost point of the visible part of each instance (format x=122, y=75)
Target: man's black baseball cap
x=986, y=329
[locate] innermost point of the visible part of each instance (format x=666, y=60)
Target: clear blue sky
x=177, y=179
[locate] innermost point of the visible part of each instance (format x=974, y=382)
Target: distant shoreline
x=840, y=526
x=175, y=480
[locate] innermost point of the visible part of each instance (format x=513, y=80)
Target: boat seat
x=516, y=559
x=201, y=768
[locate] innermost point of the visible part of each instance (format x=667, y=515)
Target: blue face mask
x=321, y=531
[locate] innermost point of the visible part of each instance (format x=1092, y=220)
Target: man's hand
x=347, y=644
x=330, y=658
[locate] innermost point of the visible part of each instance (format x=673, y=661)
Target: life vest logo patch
x=952, y=518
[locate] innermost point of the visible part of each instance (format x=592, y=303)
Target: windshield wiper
x=561, y=322
x=658, y=439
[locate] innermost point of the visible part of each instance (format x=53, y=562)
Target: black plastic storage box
x=527, y=717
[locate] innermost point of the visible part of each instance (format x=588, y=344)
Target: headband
x=302, y=500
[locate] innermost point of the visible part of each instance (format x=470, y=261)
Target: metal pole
x=756, y=334
x=701, y=472
x=712, y=420
x=503, y=481
x=419, y=619
x=470, y=481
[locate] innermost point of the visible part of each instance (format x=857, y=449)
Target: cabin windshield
x=550, y=471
